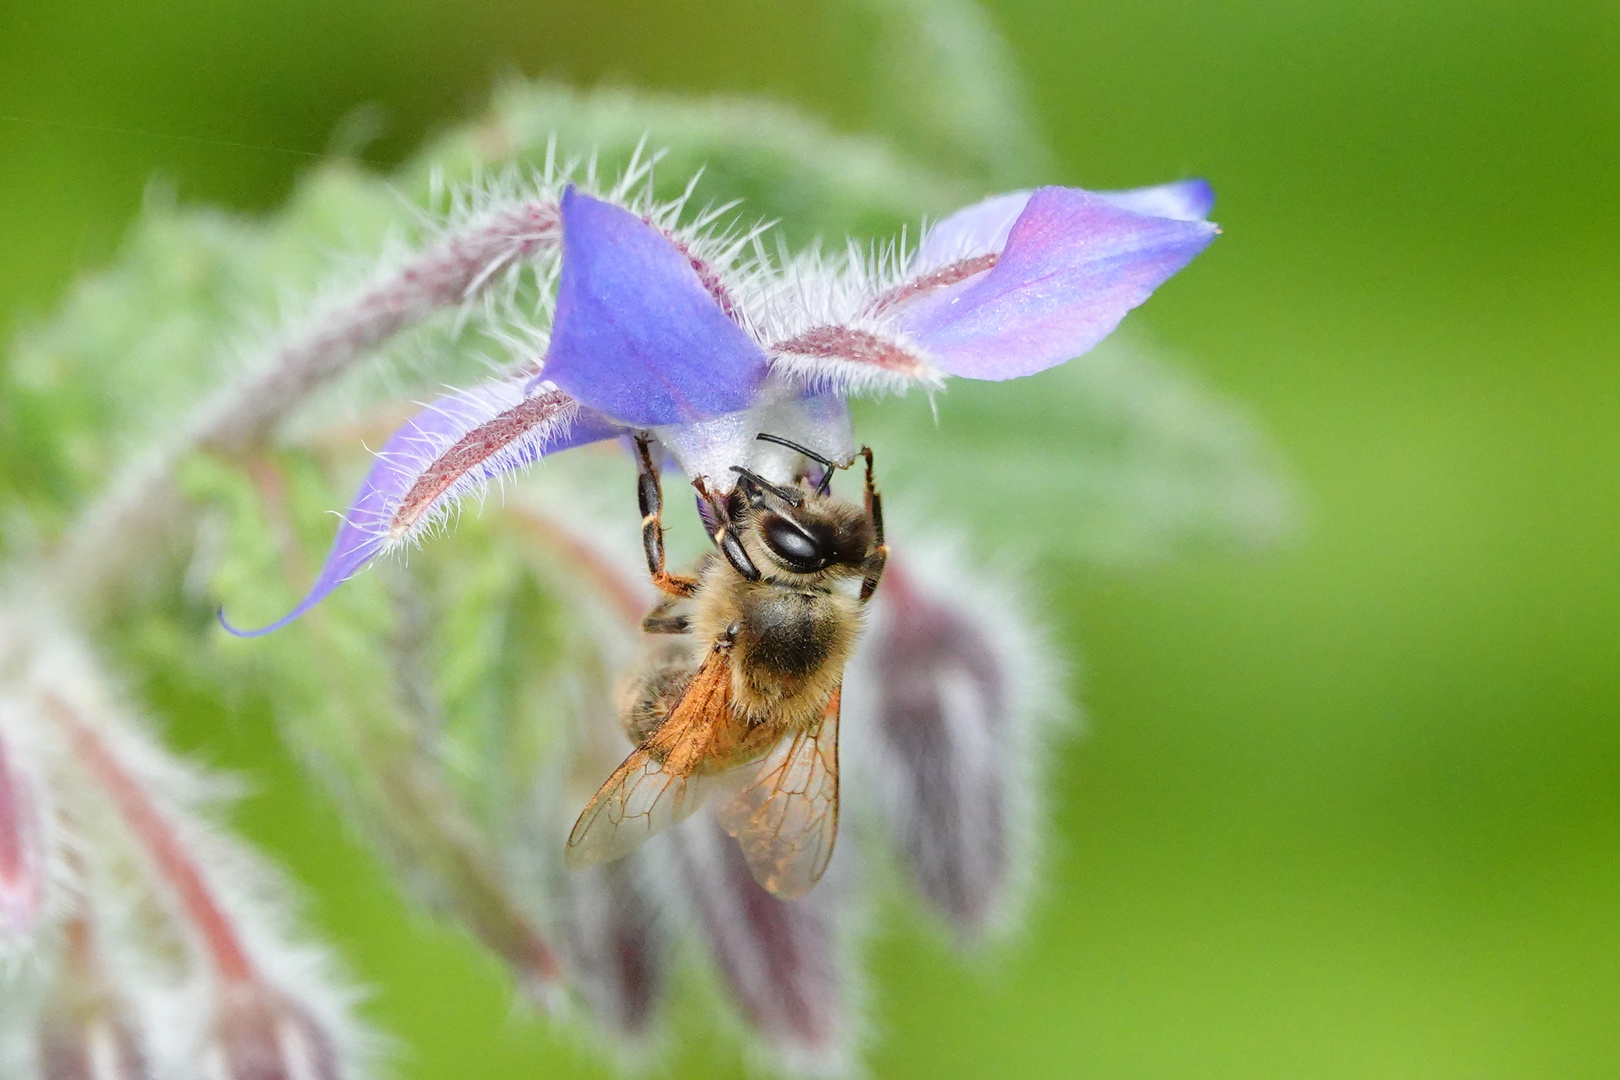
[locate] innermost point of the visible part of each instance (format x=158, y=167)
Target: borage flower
x=651, y=336
x=694, y=348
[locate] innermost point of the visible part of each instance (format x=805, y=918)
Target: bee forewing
x=640, y=800
x=785, y=817
x=659, y=784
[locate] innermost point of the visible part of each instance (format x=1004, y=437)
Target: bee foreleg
x=723, y=536
x=650, y=494
x=880, y=548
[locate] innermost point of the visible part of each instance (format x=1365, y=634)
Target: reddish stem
x=153, y=830
x=442, y=276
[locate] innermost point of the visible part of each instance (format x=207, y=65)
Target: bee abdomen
x=651, y=696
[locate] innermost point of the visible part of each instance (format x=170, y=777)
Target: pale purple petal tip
x=1073, y=265
x=972, y=230
x=638, y=334
x=1183, y=200
x=456, y=443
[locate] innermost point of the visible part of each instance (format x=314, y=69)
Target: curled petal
x=781, y=959
x=972, y=231
x=640, y=333
x=1073, y=265
x=22, y=887
x=616, y=947
x=445, y=452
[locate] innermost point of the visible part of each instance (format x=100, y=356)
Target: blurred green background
x=1348, y=809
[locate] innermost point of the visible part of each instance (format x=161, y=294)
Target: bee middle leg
x=663, y=618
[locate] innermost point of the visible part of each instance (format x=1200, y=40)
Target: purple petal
x=782, y=959
x=639, y=335
x=616, y=947
x=973, y=230
x=1073, y=265
x=22, y=888
x=448, y=449
x=1184, y=200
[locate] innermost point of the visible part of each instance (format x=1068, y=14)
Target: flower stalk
x=156, y=835
x=448, y=273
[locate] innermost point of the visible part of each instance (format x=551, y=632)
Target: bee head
x=800, y=529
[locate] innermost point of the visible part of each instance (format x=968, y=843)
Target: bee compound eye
x=798, y=548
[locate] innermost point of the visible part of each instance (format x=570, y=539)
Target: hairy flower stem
x=156, y=834
x=423, y=819
x=245, y=413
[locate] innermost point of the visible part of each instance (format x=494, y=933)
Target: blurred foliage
x=1348, y=811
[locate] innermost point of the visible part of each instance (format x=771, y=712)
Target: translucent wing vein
x=661, y=783
x=785, y=817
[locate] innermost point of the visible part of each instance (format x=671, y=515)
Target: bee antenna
x=806, y=451
x=787, y=495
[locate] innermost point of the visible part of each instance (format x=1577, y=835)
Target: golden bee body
x=744, y=693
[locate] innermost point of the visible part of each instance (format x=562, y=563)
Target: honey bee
x=741, y=703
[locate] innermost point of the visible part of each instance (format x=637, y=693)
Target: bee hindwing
x=661, y=783
x=785, y=817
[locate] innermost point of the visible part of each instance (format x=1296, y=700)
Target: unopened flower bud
x=781, y=959
x=86, y=1030
x=944, y=681
x=90, y=1039
x=262, y=1035
x=617, y=950
x=92, y=1044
